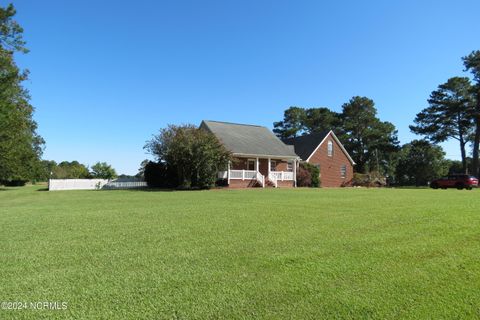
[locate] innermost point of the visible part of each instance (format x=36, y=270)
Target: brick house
x=324, y=150
x=260, y=159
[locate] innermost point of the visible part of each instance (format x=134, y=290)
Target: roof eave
x=265, y=155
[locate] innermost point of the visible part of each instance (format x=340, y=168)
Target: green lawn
x=291, y=254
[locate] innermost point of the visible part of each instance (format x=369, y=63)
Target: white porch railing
x=273, y=176
x=242, y=174
x=260, y=178
x=281, y=175
x=246, y=175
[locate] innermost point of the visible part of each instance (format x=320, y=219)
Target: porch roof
x=245, y=139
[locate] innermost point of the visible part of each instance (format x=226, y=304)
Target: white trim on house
x=337, y=141
x=244, y=155
x=330, y=148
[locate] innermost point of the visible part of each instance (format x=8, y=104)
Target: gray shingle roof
x=305, y=145
x=248, y=139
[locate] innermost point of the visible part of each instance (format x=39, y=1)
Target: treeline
x=453, y=112
x=49, y=169
x=369, y=140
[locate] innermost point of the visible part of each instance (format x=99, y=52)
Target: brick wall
x=330, y=166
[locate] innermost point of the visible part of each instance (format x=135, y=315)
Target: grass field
x=292, y=254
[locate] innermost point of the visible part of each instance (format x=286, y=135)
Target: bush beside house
x=187, y=157
x=308, y=175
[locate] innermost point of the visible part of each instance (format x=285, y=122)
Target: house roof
x=245, y=139
x=306, y=145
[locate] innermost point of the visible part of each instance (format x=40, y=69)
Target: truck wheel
x=434, y=185
x=459, y=186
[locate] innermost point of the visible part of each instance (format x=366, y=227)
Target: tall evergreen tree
x=450, y=115
x=292, y=125
x=299, y=121
x=321, y=119
x=472, y=64
x=369, y=140
x=20, y=145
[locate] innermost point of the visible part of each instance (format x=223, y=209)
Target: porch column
x=228, y=173
x=258, y=166
x=269, y=168
x=295, y=172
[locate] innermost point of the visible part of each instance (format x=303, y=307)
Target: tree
x=195, y=154
x=45, y=170
x=141, y=171
x=20, y=145
x=450, y=115
x=70, y=170
x=321, y=119
x=298, y=121
x=472, y=64
x=102, y=170
x=293, y=123
x=369, y=140
x=420, y=162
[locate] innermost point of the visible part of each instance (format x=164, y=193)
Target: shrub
x=372, y=179
x=314, y=174
x=304, y=177
x=158, y=175
x=14, y=183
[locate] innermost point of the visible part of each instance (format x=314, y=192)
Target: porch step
x=269, y=183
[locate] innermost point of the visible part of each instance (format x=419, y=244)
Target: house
x=324, y=150
x=259, y=157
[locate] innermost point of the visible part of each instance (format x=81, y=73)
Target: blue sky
x=106, y=75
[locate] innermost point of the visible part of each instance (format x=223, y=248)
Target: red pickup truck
x=458, y=181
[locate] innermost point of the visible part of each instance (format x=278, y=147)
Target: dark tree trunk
x=464, y=155
x=477, y=138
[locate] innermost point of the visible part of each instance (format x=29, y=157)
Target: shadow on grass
x=43, y=189
x=142, y=190
x=409, y=187
x=164, y=189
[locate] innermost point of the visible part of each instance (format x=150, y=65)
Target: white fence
x=76, y=184
x=125, y=185
x=92, y=184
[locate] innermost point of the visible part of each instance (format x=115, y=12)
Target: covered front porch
x=250, y=171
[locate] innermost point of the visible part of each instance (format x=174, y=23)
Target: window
x=273, y=165
x=330, y=148
x=251, y=164
x=343, y=171
x=290, y=166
